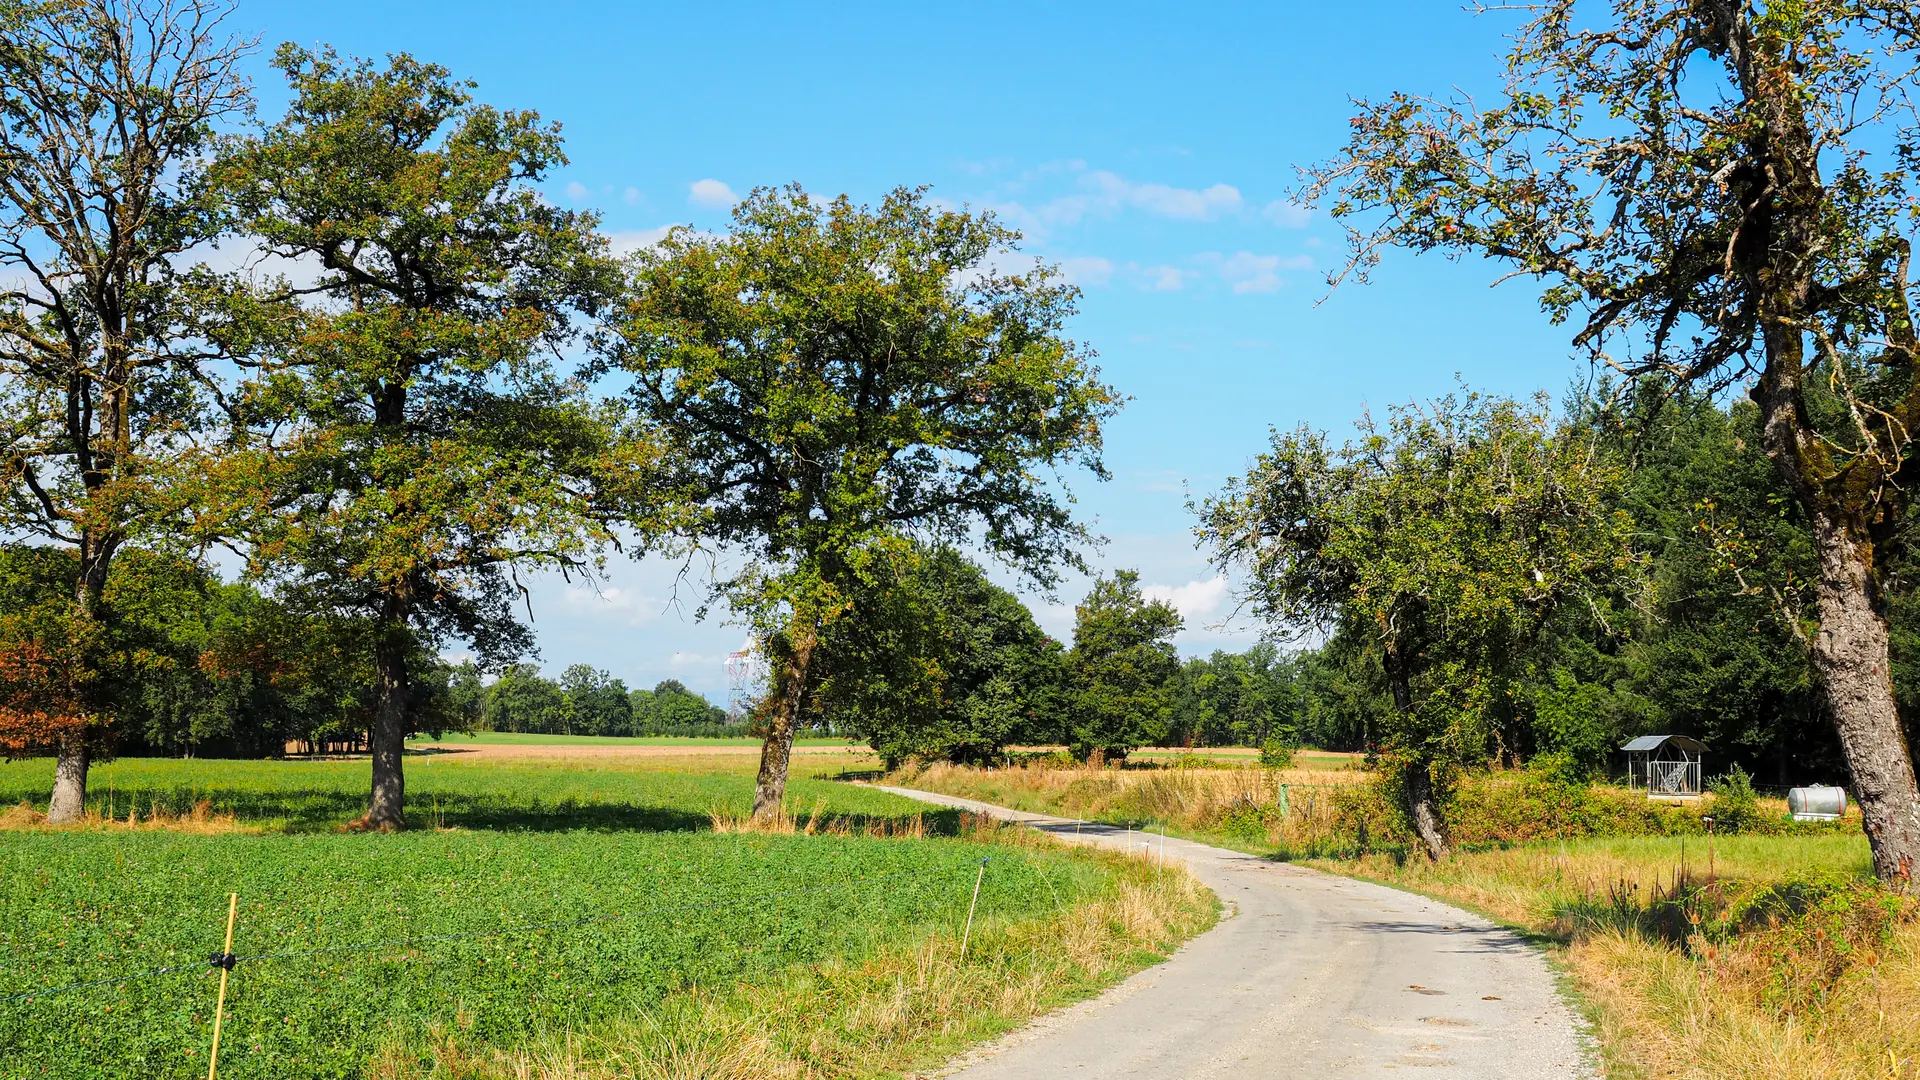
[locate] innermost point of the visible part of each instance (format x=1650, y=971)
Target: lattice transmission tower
x=746, y=683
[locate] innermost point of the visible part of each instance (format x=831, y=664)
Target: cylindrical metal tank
x=1817, y=803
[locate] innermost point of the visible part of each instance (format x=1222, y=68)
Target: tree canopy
x=403, y=443
x=943, y=665
x=107, y=112
x=831, y=383
x=1720, y=191
x=1448, y=538
x=1123, y=666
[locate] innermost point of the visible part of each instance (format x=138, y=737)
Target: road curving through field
x=1307, y=975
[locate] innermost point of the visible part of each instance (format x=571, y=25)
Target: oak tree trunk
x=74, y=756
x=69, y=803
x=386, y=809
x=1850, y=659
x=783, y=722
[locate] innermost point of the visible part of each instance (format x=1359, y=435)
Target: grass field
x=572, y=920
x=1316, y=760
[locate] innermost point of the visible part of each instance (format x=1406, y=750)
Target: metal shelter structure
x=1665, y=766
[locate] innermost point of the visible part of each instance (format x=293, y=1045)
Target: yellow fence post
x=225, y=961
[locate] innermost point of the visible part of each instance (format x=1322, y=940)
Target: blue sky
x=1147, y=149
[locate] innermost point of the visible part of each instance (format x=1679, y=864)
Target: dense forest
x=209, y=668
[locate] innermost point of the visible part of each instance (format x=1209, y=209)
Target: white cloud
x=1104, y=194
x=1286, y=214
x=626, y=243
x=1183, y=204
x=710, y=193
x=632, y=196
x=1197, y=601
x=577, y=191
x=636, y=608
x=1161, y=278
x=1250, y=273
x=243, y=256
x=1055, y=619
x=1087, y=270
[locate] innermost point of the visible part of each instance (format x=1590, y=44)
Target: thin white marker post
x=968, y=935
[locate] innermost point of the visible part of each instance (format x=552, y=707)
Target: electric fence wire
x=228, y=960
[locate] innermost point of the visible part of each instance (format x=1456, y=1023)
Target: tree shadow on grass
x=501, y=814
x=319, y=810
x=847, y=775
x=308, y=810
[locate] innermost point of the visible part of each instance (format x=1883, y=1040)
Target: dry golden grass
x=1302, y=813
x=1191, y=799
x=1780, y=1002
x=884, y=1014
x=1530, y=885
x=1666, y=1015
x=201, y=819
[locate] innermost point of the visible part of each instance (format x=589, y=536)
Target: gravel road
x=1307, y=975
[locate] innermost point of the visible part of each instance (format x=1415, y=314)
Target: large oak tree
x=404, y=441
x=834, y=382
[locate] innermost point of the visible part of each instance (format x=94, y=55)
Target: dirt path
x=1307, y=975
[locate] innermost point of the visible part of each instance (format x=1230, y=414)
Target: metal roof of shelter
x=1655, y=742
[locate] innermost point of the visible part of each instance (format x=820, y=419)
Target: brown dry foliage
x=201, y=819
x=39, y=706
x=1190, y=798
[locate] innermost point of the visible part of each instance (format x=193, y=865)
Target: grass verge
x=1307, y=813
